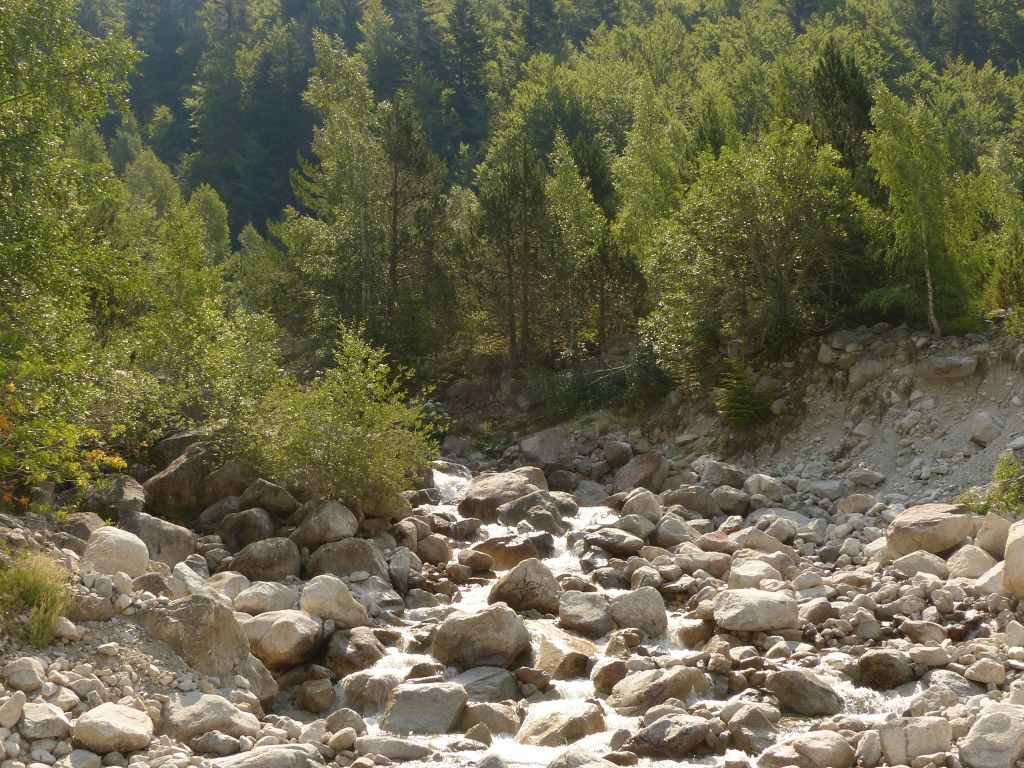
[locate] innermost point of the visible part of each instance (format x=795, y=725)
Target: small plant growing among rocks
x=1004, y=495
x=33, y=595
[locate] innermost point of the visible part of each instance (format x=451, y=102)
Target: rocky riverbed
x=668, y=613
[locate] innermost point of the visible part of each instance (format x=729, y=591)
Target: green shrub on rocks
x=1004, y=495
x=35, y=588
x=351, y=433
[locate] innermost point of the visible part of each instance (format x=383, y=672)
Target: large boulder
x=755, y=610
x=814, y=749
x=585, y=612
x=932, y=527
x=206, y=634
x=283, y=639
x=1013, y=563
x=493, y=637
x=672, y=737
x=424, y=708
x=345, y=557
x=507, y=551
x=176, y=491
x=905, y=739
x=489, y=491
x=996, y=740
x=114, y=496
x=273, y=498
x=557, y=723
x=240, y=529
x=636, y=693
x=113, y=728
x=326, y=521
x=112, y=550
x=529, y=585
x=648, y=470
x=274, y=756
x=264, y=597
x=558, y=654
x=268, y=560
x=229, y=479
x=642, y=609
x=887, y=668
x=948, y=367
x=552, y=447
x=187, y=715
x=802, y=692
x=328, y=597
x=167, y=543
x=353, y=650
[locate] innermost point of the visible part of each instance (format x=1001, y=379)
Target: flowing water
x=867, y=704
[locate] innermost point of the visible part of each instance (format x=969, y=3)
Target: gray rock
x=529, y=585
x=187, y=715
x=424, y=708
x=112, y=550
x=273, y=498
x=283, y=639
x=932, y=527
x=345, y=557
x=801, y=692
x=672, y=737
x=327, y=521
x=585, y=612
x=557, y=723
x=755, y=610
x=268, y=560
x=996, y=740
x=274, y=756
x=113, y=728
x=493, y=637
x=642, y=609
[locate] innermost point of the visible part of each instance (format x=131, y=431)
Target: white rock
x=755, y=610
x=111, y=550
x=113, y=728
x=328, y=597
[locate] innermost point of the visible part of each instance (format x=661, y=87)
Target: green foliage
x=1004, y=495
x=738, y=398
x=757, y=256
x=34, y=593
x=351, y=433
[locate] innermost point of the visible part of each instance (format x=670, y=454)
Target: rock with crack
x=424, y=708
x=493, y=637
x=529, y=585
x=557, y=723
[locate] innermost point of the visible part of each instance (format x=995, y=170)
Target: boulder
x=265, y=596
x=489, y=684
x=166, y=542
x=353, y=650
x=113, y=728
x=557, y=723
x=636, y=693
x=209, y=638
x=492, y=637
x=755, y=610
x=970, y=562
x=229, y=479
x=424, y=708
x=274, y=756
x=506, y=551
x=268, y=560
x=187, y=715
x=801, y=692
x=112, y=550
x=273, y=498
x=25, y=674
x=283, y=639
x=932, y=527
x=585, y=612
x=992, y=535
x=487, y=492
x=558, y=654
x=648, y=470
x=390, y=747
x=886, y=668
x=996, y=740
x=176, y=491
x=672, y=737
x=1013, y=563
x=548, y=448
x=345, y=557
x=327, y=521
x=43, y=721
x=948, y=367
x=642, y=609
x=906, y=738
x=985, y=428
x=240, y=529
x=529, y=585
x=114, y=496
x=814, y=749
x=328, y=597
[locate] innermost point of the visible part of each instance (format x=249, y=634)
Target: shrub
x=739, y=399
x=1004, y=495
x=350, y=434
x=35, y=588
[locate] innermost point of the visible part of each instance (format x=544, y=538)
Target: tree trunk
x=933, y=320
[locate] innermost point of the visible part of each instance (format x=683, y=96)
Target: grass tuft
x=33, y=595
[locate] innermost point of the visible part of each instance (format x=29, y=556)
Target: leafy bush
x=33, y=595
x=350, y=434
x=739, y=399
x=1004, y=495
